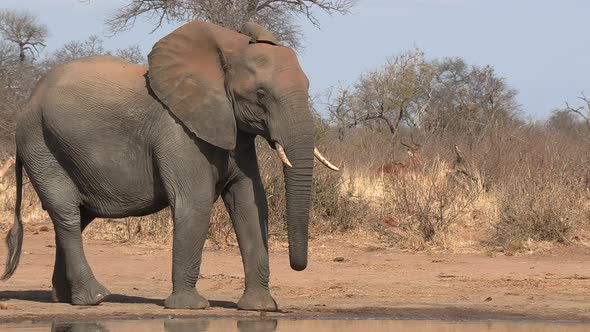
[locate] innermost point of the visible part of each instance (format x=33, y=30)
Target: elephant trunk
x=298, y=181
x=298, y=142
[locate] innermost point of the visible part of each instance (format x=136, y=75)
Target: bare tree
x=469, y=99
x=398, y=93
x=279, y=16
x=339, y=103
x=93, y=45
x=24, y=30
x=132, y=54
x=16, y=82
x=582, y=111
x=565, y=121
x=410, y=95
x=8, y=64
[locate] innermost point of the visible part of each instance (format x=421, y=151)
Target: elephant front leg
x=190, y=232
x=245, y=200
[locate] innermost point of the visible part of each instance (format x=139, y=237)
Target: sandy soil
x=368, y=282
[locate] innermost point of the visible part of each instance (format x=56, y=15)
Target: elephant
x=101, y=137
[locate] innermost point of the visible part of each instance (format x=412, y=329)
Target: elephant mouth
x=317, y=154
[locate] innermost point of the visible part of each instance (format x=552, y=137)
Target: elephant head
x=218, y=82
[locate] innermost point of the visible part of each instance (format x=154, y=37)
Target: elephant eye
x=260, y=93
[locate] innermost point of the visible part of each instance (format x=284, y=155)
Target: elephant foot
x=257, y=300
x=61, y=294
x=91, y=293
x=186, y=300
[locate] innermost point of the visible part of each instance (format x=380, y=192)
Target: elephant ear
x=258, y=34
x=187, y=73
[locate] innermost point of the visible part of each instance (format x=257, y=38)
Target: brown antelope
x=4, y=169
x=409, y=167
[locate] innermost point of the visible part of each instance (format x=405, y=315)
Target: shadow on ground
x=44, y=296
x=41, y=296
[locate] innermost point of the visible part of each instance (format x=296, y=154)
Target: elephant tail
x=14, y=238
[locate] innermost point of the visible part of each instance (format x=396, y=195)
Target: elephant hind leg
x=61, y=291
x=83, y=286
x=73, y=280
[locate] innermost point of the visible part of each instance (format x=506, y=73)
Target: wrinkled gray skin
x=98, y=140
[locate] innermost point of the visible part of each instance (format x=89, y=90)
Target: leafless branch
x=582, y=111
x=279, y=16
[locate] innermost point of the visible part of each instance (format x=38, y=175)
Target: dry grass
x=547, y=199
x=32, y=212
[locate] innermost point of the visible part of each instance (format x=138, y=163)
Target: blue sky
x=541, y=47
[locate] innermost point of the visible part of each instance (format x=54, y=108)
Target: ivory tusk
x=282, y=155
x=324, y=161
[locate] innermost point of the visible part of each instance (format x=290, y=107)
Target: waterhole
x=288, y=325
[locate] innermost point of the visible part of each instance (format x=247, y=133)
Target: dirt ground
x=342, y=280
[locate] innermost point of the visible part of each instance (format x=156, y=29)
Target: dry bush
x=544, y=197
x=152, y=229
x=336, y=208
x=532, y=211
x=221, y=232
x=429, y=207
x=426, y=207
x=271, y=171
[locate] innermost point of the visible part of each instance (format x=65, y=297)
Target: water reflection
x=186, y=325
x=292, y=325
x=78, y=327
x=266, y=325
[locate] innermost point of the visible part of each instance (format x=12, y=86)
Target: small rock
x=339, y=259
x=49, y=246
x=35, y=233
x=44, y=229
x=3, y=305
x=488, y=299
